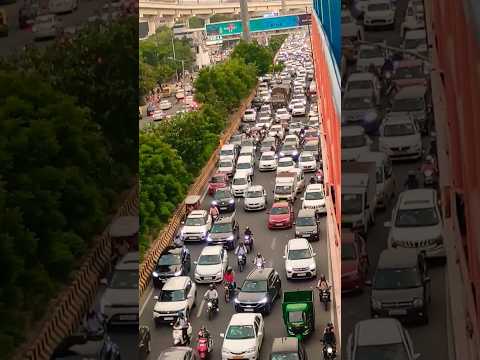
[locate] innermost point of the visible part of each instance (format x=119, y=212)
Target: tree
x=196, y=22
x=253, y=53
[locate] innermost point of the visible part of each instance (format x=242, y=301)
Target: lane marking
x=200, y=308
x=274, y=243
x=147, y=301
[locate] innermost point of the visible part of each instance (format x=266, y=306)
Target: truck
x=280, y=95
x=298, y=312
x=359, y=197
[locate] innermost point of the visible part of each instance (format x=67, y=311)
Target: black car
x=224, y=200
x=175, y=261
x=257, y=102
x=225, y=231
x=258, y=292
x=288, y=348
x=81, y=347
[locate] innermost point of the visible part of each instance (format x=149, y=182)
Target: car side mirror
x=222, y=335
x=183, y=222
x=368, y=282
x=387, y=224
x=155, y=297
x=104, y=281
x=195, y=262
x=314, y=254
x=427, y=279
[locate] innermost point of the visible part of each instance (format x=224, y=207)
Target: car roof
x=411, y=92
x=246, y=158
x=398, y=119
x=408, y=63
x=417, y=198
x=240, y=175
x=298, y=243
x=260, y=274
x=380, y=331
x=255, y=188
x=285, y=344
x=129, y=262
x=285, y=159
x=361, y=76
x=397, y=258
x=228, y=146
x=314, y=187
x=352, y=130
x=306, y=213
x=197, y=213
x=177, y=282
x=225, y=218
x=211, y=250
x=280, y=204
x=268, y=153
x=176, y=250
x=355, y=93
x=243, y=319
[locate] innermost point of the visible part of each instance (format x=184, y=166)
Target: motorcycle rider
x=183, y=324
x=387, y=65
x=214, y=212
x=259, y=260
x=178, y=240
x=412, y=181
x=241, y=249
x=248, y=232
x=229, y=278
x=203, y=333
x=93, y=322
x=212, y=295
x=329, y=336
x=322, y=284
x=313, y=180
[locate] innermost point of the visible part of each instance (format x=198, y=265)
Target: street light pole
x=245, y=20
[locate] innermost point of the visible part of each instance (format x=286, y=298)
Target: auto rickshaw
x=3, y=23
x=299, y=313
x=192, y=202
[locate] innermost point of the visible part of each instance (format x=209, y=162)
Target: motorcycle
x=228, y=291
x=212, y=308
x=259, y=263
x=178, y=339
x=325, y=297
x=249, y=242
x=319, y=177
x=329, y=352
x=242, y=260
x=204, y=347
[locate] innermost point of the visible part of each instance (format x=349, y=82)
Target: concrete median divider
x=65, y=312
x=166, y=235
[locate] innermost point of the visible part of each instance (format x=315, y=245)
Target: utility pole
x=284, y=7
x=245, y=20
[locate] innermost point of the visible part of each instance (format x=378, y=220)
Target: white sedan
x=268, y=161
x=62, y=6
x=282, y=114
x=307, y=162
x=300, y=259
x=285, y=164
x=244, y=336
x=211, y=264
x=298, y=109
x=165, y=105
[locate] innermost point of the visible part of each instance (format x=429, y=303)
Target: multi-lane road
x=356, y=307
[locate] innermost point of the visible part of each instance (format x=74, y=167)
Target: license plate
x=248, y=309
x=168, y=318
x=301, y=274
x=128, y=317
x=223, y=207
x=398, y=312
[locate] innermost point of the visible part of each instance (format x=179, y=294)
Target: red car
x=280, y=216
x=354, y=261
x=218, y=181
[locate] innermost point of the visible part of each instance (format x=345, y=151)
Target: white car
x=247, y=151
x=295, y=128
x=298, y=110
x=165, y=105
x=244, y=337
x=313, y=122
x=250, y=115
x=255, y=198
x=266, y=108
x=292, y=139
x=307, y=162
x=400, y=138
x=369, y=54
x=293, y=103
x=245, y=165
x=282, y=114
x=285, y=164
x=226, y=166
x=268, y=161
x=264, y=121
x=414, y=19
x=46, y=27
x=379, y=13
x=240, y=183
x=180, y=94
x=276, y=130
x=196, y=226
x=300, y=98
x=228, y=152
x=62, y=6
x=314, y=198
x=364, y=81
x=354, y=142
x=211, y=265
x=417, y=223
x=177, y=295
x=415, y=41
x=350, y=28
x=300, y=259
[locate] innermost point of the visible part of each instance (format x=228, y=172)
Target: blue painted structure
x=329, y=14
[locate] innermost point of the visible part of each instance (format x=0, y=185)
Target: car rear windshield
x=410, y=72
x=279, y=210
x=217, y=179
x=283, y=189
x=398, y=130
x=306, y=221
x=390, y=279
x=226, y=152
x=239, y=181
x=170, y=259
x=356, y=103
x=371, y=53
x=225, y=164
x=350, y=142
x=349, y=252
x=409, y=104
x=296, y=317
x=307, y=158
x=314, y=195
x=267, y=157
x=239, y=332
x=254, y=194
x=416, y=217
x=244, y=165
x=221, y=228
x=254, y=286
x=351, y=204
x=195, y=221
x=124, y=279
x=379, y=7
x=285, y=356
x=222, y=194
x=286, y=163
x=382, y=352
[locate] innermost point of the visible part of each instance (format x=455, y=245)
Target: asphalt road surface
x=429, y=340
x=271, y=245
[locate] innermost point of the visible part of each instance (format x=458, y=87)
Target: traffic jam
x=393, y=302
x=247, y=276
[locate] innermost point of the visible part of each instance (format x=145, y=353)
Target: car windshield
x=221, y=228
x=244, y=165
x=286, y=163
x=349, y=252
x=288, y=147
x=282, y=112
x=314, y=195
x=124, y=279
x=398, y=130
x=295, y=317
x=170, y=259
x=267, y=157
x=225, y=164
x=254, y=194
x=416, y=217
x=299, y=254
x=236, y=138
x=209, y=259
x=306, y=158
x=239, y=181
x=226, y=152
x=172, y=295
x=378, y=7
x=351, y=204
x=240, y=332
x=390, y=279
x=382, y=352
x=409, y=104
x=268, y=143
x=360, y=84
x=356, y=103
x=195, y=221
x=247, y=142
x=311, y=147
x=350, y=142
x=222, y=194
x=217, y=179
x=371, y=53
x=254, y=286
x=279, y=210
x=410, y=72
x=414, y=43
x=249, y=112
x=283, y=189
x=306, y=221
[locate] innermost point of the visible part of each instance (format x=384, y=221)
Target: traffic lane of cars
x=271, y=245
x=356, y=307
x=177, y=105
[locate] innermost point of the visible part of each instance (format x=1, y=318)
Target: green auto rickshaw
x=299, y=313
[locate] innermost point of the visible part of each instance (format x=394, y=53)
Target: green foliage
x=276, y=41
x=196, y=22
x=224, y=17
x=253, y=53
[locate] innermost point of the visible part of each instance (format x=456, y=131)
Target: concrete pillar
x=245, y=20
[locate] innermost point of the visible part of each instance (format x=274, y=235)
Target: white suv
x=417, y=223
x=400, y=138
x=196, y=226
x=268, y=161
x=244, y=337
x=314, y=198
x=354, y=142
x=240, y=183
x=177, y=295
x=300, y=259
x=211, y=264
x=255, y=198
x=250, y=115
x=307, y=162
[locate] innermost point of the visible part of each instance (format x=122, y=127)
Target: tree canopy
x=256, y=54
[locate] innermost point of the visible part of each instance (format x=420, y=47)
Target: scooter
x=178, y=339
x=212, y=308
x=228, y=291
x=242, y=260
x=204, y=347
x=329, y=352
x=259, y=263
x=249, y=242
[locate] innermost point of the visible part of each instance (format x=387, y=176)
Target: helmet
x=322, y=277
x=240, y=243
x=259, y=255
x=211, y=286
x=229, y=269
x=429, y=158
x=203, y=328
x=247, y=228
